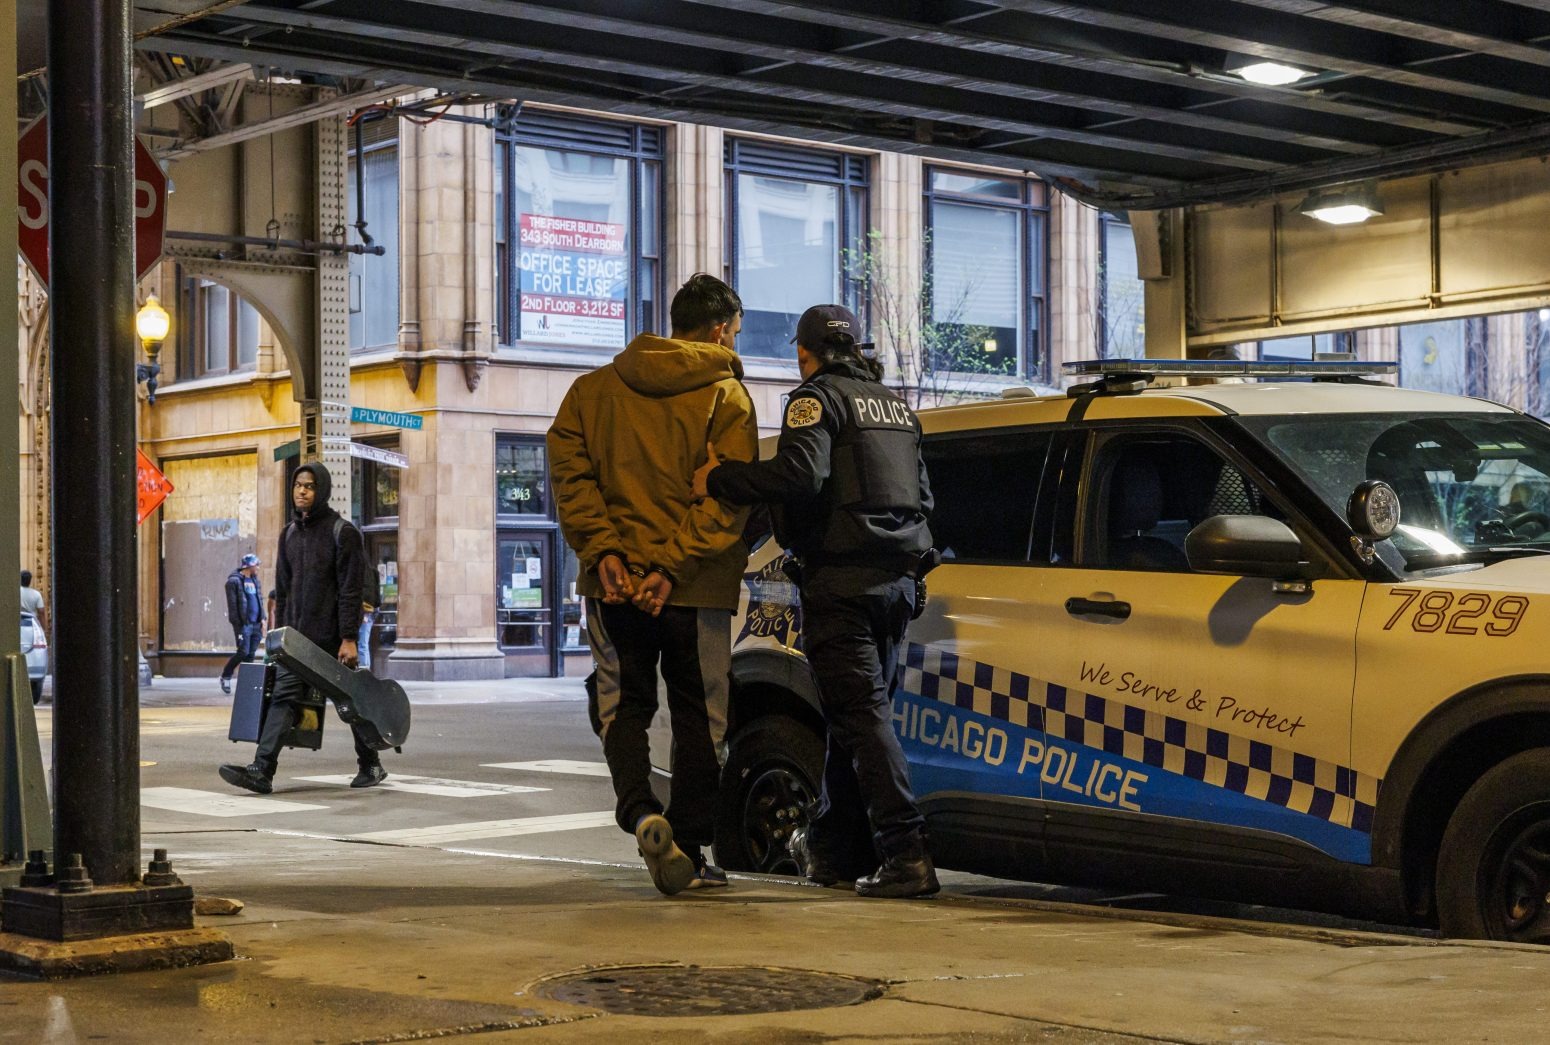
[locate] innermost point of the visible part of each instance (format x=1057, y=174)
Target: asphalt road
x=507, y=768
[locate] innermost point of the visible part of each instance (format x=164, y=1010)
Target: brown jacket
x=623, y=447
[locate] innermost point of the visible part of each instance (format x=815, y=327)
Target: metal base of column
x=44, y=913
x=51, y=960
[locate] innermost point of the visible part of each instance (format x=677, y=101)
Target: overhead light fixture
x=1343, y=204
x=1264, y=71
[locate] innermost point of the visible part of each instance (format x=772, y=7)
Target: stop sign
x=32, y=204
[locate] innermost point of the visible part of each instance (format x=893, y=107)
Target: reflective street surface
x=483, y=888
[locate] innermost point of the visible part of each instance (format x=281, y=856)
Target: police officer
x=850, y=500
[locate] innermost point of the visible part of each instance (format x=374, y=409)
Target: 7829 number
x=1432, y=611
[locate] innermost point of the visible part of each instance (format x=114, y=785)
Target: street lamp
x=152, y=324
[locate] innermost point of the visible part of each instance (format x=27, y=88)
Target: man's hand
x=349, y=654
x=697, y=485
x=618, y=585
x=652, y=594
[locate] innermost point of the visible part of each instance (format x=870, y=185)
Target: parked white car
x=34, y=646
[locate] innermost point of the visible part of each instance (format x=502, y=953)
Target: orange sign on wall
x=151, y=487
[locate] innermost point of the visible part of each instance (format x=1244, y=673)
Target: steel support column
x=325, y=422
x=91, y=242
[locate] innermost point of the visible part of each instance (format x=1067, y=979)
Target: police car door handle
x=1079, y=607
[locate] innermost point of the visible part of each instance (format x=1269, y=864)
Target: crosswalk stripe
x=211, y=803
x=428, y=785
x=527, y=825
x=555, y=765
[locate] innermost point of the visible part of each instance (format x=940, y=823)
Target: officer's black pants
x=284, y=713
x=692, y=647
x=249, y=638
x=852, y=625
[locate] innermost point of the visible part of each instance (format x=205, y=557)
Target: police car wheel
x=1493, y=871
x=772, y=772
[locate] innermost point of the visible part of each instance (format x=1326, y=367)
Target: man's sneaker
x=708, y=876
x=246, y=777
x=369, y=776
x=671, y=870
x=900, y=877
x=814, y=868
x=225, y=684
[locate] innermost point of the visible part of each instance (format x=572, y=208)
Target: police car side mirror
x=1245, y=546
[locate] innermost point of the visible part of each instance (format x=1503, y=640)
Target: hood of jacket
x=320, y=498
x=664, y=366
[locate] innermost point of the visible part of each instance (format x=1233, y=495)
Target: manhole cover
x=693, y=990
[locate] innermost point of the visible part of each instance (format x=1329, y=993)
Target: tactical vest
x=874, y=465
x=869, y=510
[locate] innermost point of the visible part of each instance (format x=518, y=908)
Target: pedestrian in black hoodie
x=317, y=592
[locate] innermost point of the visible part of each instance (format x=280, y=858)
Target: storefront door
x=524, y=601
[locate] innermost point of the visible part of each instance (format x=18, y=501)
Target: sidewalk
x=173, y=692
x=346, y=942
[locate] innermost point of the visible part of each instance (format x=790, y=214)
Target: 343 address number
x=1465, y=614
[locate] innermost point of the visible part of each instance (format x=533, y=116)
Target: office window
x=578, y=249
x=217, y=329
x=1122, y=295
x=374, y=279
x=794, y=218
x=987, y=251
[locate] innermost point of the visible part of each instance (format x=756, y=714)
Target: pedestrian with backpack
x=246, y=613
x=318, y=592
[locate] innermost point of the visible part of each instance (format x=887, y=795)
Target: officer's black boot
x=899, y=877
x=815, y=867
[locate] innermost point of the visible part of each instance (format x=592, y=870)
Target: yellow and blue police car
x=1283, y=641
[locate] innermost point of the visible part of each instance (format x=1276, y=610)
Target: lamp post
x=152, y=324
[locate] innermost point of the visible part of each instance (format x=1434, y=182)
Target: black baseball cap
x=818, y=322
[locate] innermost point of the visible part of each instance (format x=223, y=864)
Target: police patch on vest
x=881, y=412
x=803, y=413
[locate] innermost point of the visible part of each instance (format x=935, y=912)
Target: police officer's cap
x=818, y=322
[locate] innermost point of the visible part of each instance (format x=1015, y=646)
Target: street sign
x=391, y=458
x=290, y=449
x=392, y=419
x=32, y=202
x=151, y=487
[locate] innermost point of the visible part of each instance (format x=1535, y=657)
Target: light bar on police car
x=1227, y=368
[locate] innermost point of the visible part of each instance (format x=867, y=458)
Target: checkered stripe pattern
x=1283, y=777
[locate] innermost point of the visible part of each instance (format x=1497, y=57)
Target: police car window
x=1151, y=490
x=1472, y=488
x=985, y=488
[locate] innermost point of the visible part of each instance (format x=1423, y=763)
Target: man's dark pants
x=249, y=638
x=692, y=647
x=853, y=622
x=284, y=712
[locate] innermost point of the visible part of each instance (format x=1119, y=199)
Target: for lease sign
x=574, y=281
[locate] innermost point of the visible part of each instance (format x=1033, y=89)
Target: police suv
x=1278, y=641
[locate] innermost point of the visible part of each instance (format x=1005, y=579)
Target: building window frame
x=850, y=173
x=193, y=328
x=1032, y=207
x=376, y=136
x=1107, y=222
x=644, y=147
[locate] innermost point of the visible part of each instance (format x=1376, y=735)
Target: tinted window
x=985, y=486
x=1151, y=490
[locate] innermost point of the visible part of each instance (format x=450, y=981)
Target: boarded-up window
x=208, y=523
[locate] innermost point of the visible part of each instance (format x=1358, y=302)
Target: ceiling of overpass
x=1128, y=102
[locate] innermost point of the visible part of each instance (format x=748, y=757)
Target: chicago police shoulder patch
x=804, y=412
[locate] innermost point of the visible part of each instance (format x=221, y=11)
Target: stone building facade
x=526, y=245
